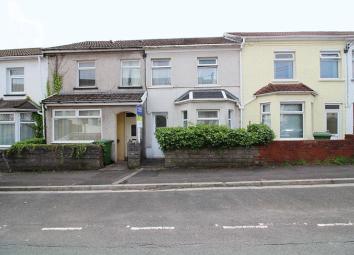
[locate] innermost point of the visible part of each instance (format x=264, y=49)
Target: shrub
x=204, y=136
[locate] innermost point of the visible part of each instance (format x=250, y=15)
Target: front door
x=159, y=120
x=130, y=129
x=332, y=120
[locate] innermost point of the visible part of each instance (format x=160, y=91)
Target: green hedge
x=204, y=136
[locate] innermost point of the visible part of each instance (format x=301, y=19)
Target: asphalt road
x=314, y=220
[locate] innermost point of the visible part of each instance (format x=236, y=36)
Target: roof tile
x=286, y=87
x=20, y=52
x=94, y=98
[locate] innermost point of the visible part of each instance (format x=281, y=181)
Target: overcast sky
x=41, y=23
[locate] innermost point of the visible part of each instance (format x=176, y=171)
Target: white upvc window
x=352, y=64
x=266, y=114
x=208, y=117
x=79, y=126
x=207, y=71
x=185, y=118
x=332, y=119
x=284, y=65
x=291, y=120
x=16, y=80
x=87, y=73
x=161, y=72
x=130, y=73
x=230, y=118
x=15, y=127
x=329, y=64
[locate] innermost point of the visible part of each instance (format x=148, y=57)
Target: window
x=332, y=118
x=161, y=72
x=184, y=118
x=230, y=118
x=353, y=65
x=207, y=71
x=87, y=74
x=329, y=64
x=130, y=73
x=16, y=80
x=77, y=125
x=283, y=65
x=265, y=114
x=15, y=127
x=208, y=117
x=291, y=120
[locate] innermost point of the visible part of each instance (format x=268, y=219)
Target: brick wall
x=55, y=157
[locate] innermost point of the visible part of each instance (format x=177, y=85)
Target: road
x=287, y=220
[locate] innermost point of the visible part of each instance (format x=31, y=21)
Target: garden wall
x=277, y=152
x=54, y=157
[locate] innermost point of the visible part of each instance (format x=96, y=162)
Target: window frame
x=11, y=77
x=161, y=67
x=353, y=65
x=293, y=113
x=74, y=117
x=284, y=59
x=85, y=68
x=338, y=58
x=207, y=65
x=338, y=118
x=230, y=118
x=184, y=120
x=208, y=110
x=128, y=67
x=266, y=113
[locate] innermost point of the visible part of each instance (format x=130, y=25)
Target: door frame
x=337, y=111
x=155, y=153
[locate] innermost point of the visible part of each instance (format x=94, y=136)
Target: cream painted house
x=295, y=82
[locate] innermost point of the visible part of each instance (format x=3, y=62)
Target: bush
x=204, y=136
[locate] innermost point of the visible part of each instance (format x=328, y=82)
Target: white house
x=23, y=77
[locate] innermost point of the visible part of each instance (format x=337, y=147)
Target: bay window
x=184, y=118
x=161, y=72
x=265, y=114
x=329, y=64
x=87, y=73
x=291, y=120
x=284, y=65
x=207, y=71
x=208, y=117
x=16, y=80
x=130, y=73
x=77, y=125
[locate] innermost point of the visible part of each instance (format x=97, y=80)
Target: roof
x=94, y=98
x=206, y=94
x=18, y=105
x=20, y=52
x=286, y=87
x=126, y=44
x=294, y=33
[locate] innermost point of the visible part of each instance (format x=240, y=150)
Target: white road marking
x=262, y=226
x=152, y=228
x=334, y=224
x=127, y=177
x=62, y=229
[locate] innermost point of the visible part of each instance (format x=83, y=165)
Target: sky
x=44, y=23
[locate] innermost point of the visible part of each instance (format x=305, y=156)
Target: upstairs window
x=208, y=117
x=329, y=64
x=87, y=74
x=265, y=114
x=16, y=80
x=207, y=71
x=130, y=73
x=161, y=72
x=283, y=65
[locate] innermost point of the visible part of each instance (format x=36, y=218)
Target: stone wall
x=134, y=155
x=55, y=157
x=277, y=152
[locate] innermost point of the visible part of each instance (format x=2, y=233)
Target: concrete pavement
x=311, y=220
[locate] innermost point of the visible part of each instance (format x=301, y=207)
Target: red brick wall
x=309, y=150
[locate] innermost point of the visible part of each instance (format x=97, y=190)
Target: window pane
x=283, y=69
x=291, y=126
x=208, y=122
x=332, y=122
x=329, y=68
x=82, y=129
x=161, y=62
x=330, y=54
x=291, y=107
x=26, y=131
x=87, y=77
x=332, y=106
x=26, y=117
x=133, y=130
x=207, y=61
x=6, y=117
x=266, y=119
x=64, y=113
x=265, y=107
x=207, y=114
x=86, y=64
x=131, y=77
x=207, y=75
x=131, y=63
x=161, y=76
x=160, y=121
x=17, y=85
x=17, y=71
x=283, y=55
x=89, y=113
x=7, y=134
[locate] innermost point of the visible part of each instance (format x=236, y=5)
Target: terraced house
x=296, y=82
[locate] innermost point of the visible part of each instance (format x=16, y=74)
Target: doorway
x=159, y=120
x=126, y=130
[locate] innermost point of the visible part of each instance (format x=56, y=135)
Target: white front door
x=332, y=120
x=159, y=120
x=130, y=129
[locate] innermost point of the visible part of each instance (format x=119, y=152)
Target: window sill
x=131, y=87
x=160, y=87
x=332, y=79
x=284, y=81
x=208, y=85
x=85, y=88
x=14, y=95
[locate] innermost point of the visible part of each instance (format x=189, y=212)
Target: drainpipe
x=241, y=83
x=348, y=52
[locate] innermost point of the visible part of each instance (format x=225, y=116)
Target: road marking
x=262, y=226
x=62, y=229
x=151, y=228
x=334, y=224
x=127, y=177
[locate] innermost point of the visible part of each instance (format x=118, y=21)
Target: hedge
x=205, y=136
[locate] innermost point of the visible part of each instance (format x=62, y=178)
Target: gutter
x=95, y=104
x=7, y=58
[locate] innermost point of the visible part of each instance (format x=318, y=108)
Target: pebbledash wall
x=277, y=152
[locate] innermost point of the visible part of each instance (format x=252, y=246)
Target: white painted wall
x=35, y=77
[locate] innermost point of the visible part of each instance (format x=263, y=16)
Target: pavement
x=267, y=221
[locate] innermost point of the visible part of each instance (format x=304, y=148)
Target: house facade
x=350, y=87
x=23, y=77
x=295, y=82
